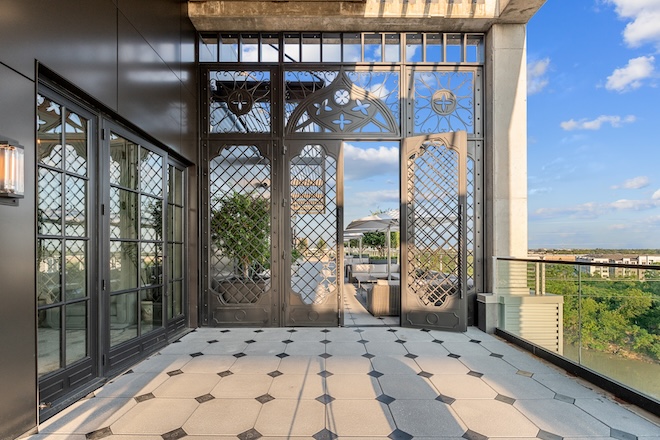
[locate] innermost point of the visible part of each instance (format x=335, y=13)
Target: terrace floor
x=369, y=380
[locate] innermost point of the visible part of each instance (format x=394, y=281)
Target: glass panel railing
x=605, y=317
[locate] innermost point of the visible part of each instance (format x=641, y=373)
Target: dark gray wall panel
x=75, y=38
x=18, y=405
x=189, y=143
x=159, y=22
x=148, y=91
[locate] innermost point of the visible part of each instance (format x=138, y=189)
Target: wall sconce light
x=12, y=178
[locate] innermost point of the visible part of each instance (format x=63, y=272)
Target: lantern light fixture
x=12, y=166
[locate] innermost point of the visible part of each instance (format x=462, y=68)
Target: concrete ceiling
x=358, y=15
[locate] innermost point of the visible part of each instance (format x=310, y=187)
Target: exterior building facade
x=106, y=256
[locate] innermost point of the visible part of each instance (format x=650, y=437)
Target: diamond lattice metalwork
x=240, y=224
x=49, y=214
x=314, y=223
x=433, y=227
x=75, y=207
x=470, y=220
x=151, y=172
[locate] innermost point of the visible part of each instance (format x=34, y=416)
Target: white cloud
x=364, y=163
x=596, y=124
x=644, y=16
x=634, y=183
x=594, y=210
x=618, y=227
x=534, y=191
x=631, y=76
x=536, y=75
x=656, y=195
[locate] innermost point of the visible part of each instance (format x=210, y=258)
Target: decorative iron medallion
x=240, y=102
x=444, y=102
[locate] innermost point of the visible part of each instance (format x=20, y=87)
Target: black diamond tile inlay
x=445, y=399
x=475, y=341
x=363, y=341
x=563, y=398
x=225, y=331
x=225, y=373
x=99, y=433
x=282, y=355
x=397, y=434
x=175, y=435
x=368, y=356
x=265, y=398
x=524, y=373
x=324, y=373
x=177, y=341
x=425, y=374
x=400, y=341
x=128, y=372
x=293, y=330
x=287, y=341
x=615, y=433
x=545, y=435
x=375, y=374
x=325, y=341
x=325, y=330
x=325, y=355
x=196, y=354
x=384, y=398
x=259, y=331
x=437, y=341
x=471, y=435
x=212, y=341
x=496, y=355
x=411, y=356
x=505, y=399
x=144, y=397
x=359, y=330
x=391, y=330
x=455, y=356
x=239, y=355
x=425, y=330
x=174, y=373
x=249, y=434
x=325, y=399
x=475, y=374
x=325, y=434
x=204, y=398
x=251, y=341
x=275, y=373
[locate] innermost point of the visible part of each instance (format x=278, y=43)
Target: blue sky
x=593, y=130
x=593, y=145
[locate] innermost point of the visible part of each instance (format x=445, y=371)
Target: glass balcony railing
x=602, y=316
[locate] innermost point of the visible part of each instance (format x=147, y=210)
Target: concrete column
x=506, y=143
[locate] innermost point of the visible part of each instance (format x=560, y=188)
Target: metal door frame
x=413, y=312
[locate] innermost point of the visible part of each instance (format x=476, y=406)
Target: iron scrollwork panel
x=314, y=194
x=331, y=102
x=443, y=101
x=240, y=101
x=240, y=235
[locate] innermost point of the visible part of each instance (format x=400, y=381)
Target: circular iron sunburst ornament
x=240, y=102
x=444, y=102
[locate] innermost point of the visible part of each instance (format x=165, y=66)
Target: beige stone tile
x=161, y=363
x=255, y=364
x=188, y=385
x=87, y=415
x=395, y=365
x=297, y=386
x=220, y=417
x=131, y=385
x=208, y=364
x=345, y=349
x=155, y=416
x=426, y=418
x=348, y=365
x=386, y=348
x=289, y=418
x=359, y=418
x=302, y=365
x=242, y=386
x=493, y=418
x=353, y=386
x=462, y=386
x=407, y=387
x=441, y=365
x=265, y=348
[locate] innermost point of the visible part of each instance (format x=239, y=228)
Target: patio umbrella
x=383, y=222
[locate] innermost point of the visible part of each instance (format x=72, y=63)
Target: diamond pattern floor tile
x=223, y=417
x=290, y=418
x=359, y=418
x=156, y=416
x=426, y=418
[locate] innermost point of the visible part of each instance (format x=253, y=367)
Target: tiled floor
x=372, y=380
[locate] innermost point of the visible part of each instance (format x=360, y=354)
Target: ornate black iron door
x=311, y=252
x=433, y=231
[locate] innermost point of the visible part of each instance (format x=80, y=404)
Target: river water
x=640, y=375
